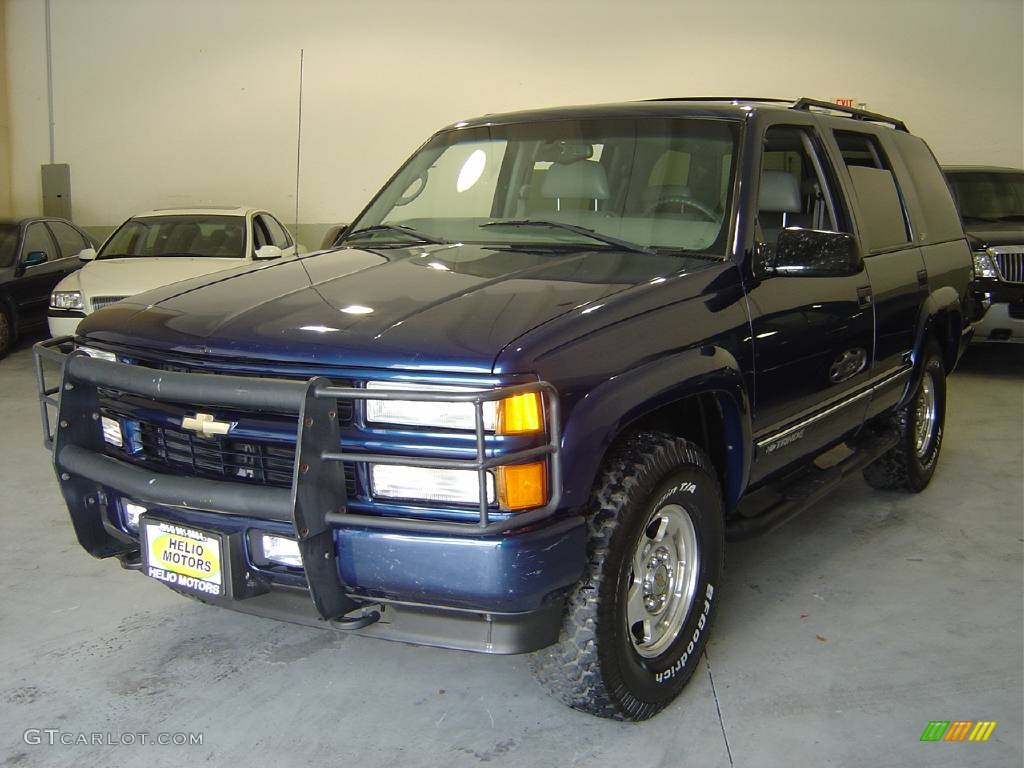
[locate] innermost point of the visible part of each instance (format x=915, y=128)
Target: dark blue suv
x=524, y=399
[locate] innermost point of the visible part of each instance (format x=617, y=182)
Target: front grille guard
x=317, y=501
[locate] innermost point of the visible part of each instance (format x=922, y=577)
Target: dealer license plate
x=183, y=557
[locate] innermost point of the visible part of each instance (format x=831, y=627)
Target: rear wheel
x=6, y=333
x=919, y=424
x=638, y=620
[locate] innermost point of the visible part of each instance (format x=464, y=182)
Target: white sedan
x=161, y=247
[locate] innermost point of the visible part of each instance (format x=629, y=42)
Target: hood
x=127, y=277
x=985, y=234
x=446, y=308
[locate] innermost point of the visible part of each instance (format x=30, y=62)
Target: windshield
x=8, y=243
x=633, y=184
x=989, y=196
x=195, y=236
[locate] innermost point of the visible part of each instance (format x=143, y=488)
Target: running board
x=810, y=486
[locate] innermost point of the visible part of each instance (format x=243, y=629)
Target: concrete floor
x=838, y=639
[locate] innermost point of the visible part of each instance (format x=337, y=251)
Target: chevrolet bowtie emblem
x=206, y=425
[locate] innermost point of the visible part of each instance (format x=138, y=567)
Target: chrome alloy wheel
x=663, y=580
x=925, y=415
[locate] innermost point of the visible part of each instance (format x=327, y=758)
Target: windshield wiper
x=593, y=234
x=1011, y=217
x=414, y=233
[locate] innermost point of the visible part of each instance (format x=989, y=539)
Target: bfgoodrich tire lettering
x=911, y=463
x=596, y=665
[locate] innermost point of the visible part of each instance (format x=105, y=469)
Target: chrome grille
x=99, y=302
x=1010, y=262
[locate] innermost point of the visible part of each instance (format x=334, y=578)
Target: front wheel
x=638, y=620
x=919, y=424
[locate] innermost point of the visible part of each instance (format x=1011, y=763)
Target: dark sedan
x=35, y=254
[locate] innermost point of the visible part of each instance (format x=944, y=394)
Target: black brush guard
x=316, y=502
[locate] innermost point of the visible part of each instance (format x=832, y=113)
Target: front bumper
x=493, y=585
x=1002, y=318
x=64, y=323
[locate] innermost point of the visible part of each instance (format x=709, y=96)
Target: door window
x=794, y=188
x=883, y=218
x=68, y=238
x=260, y=236
x=278, y=235
x=38, y=239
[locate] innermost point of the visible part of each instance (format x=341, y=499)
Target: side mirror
x=34, y=259
x=269, y=252
x=87, y=254
x=814, y=253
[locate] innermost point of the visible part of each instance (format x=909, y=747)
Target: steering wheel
x=682, y=200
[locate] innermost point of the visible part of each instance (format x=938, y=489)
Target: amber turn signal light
x=523, y=486
x=520, y=414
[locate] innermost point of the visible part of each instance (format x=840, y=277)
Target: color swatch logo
x=958, y=730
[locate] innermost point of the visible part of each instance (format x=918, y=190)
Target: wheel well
x=945, y=329
x=7, y=307
x=711, y=421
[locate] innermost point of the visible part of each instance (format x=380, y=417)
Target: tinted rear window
x=937, y=220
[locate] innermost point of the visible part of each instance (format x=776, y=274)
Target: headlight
x=66, y=300
x=516, y=415
x=461, y=486
x=984, y=266
x=423, y=414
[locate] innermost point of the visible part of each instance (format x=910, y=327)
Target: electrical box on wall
x=57, y=190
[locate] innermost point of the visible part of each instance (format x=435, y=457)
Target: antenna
x=298, y=152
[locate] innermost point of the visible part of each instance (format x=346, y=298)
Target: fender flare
x=602, y=414
x=944, y=300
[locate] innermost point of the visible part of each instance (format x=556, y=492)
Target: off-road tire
x=594, y=666
x=902, y=467
x=6, y=332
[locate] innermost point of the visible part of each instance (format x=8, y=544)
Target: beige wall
x=5, y=138
x=173, y=103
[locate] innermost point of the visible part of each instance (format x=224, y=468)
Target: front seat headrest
x=780, y=193
x=584, y=179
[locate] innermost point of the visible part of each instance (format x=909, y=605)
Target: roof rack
x=722, y=98
x=807, y=105
x=803, y=104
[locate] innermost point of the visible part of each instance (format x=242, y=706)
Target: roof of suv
x=711, y=106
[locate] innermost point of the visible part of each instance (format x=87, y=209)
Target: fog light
x=523, y=486
x=461, y=486
x=131, y=513
x=112, y=431
x=282, y=551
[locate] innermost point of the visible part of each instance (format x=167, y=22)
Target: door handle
x=864, y=298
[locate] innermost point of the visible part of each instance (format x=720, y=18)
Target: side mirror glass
x=814, y=253
x=269, y=252
x=34, y=259
x=87, y=254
